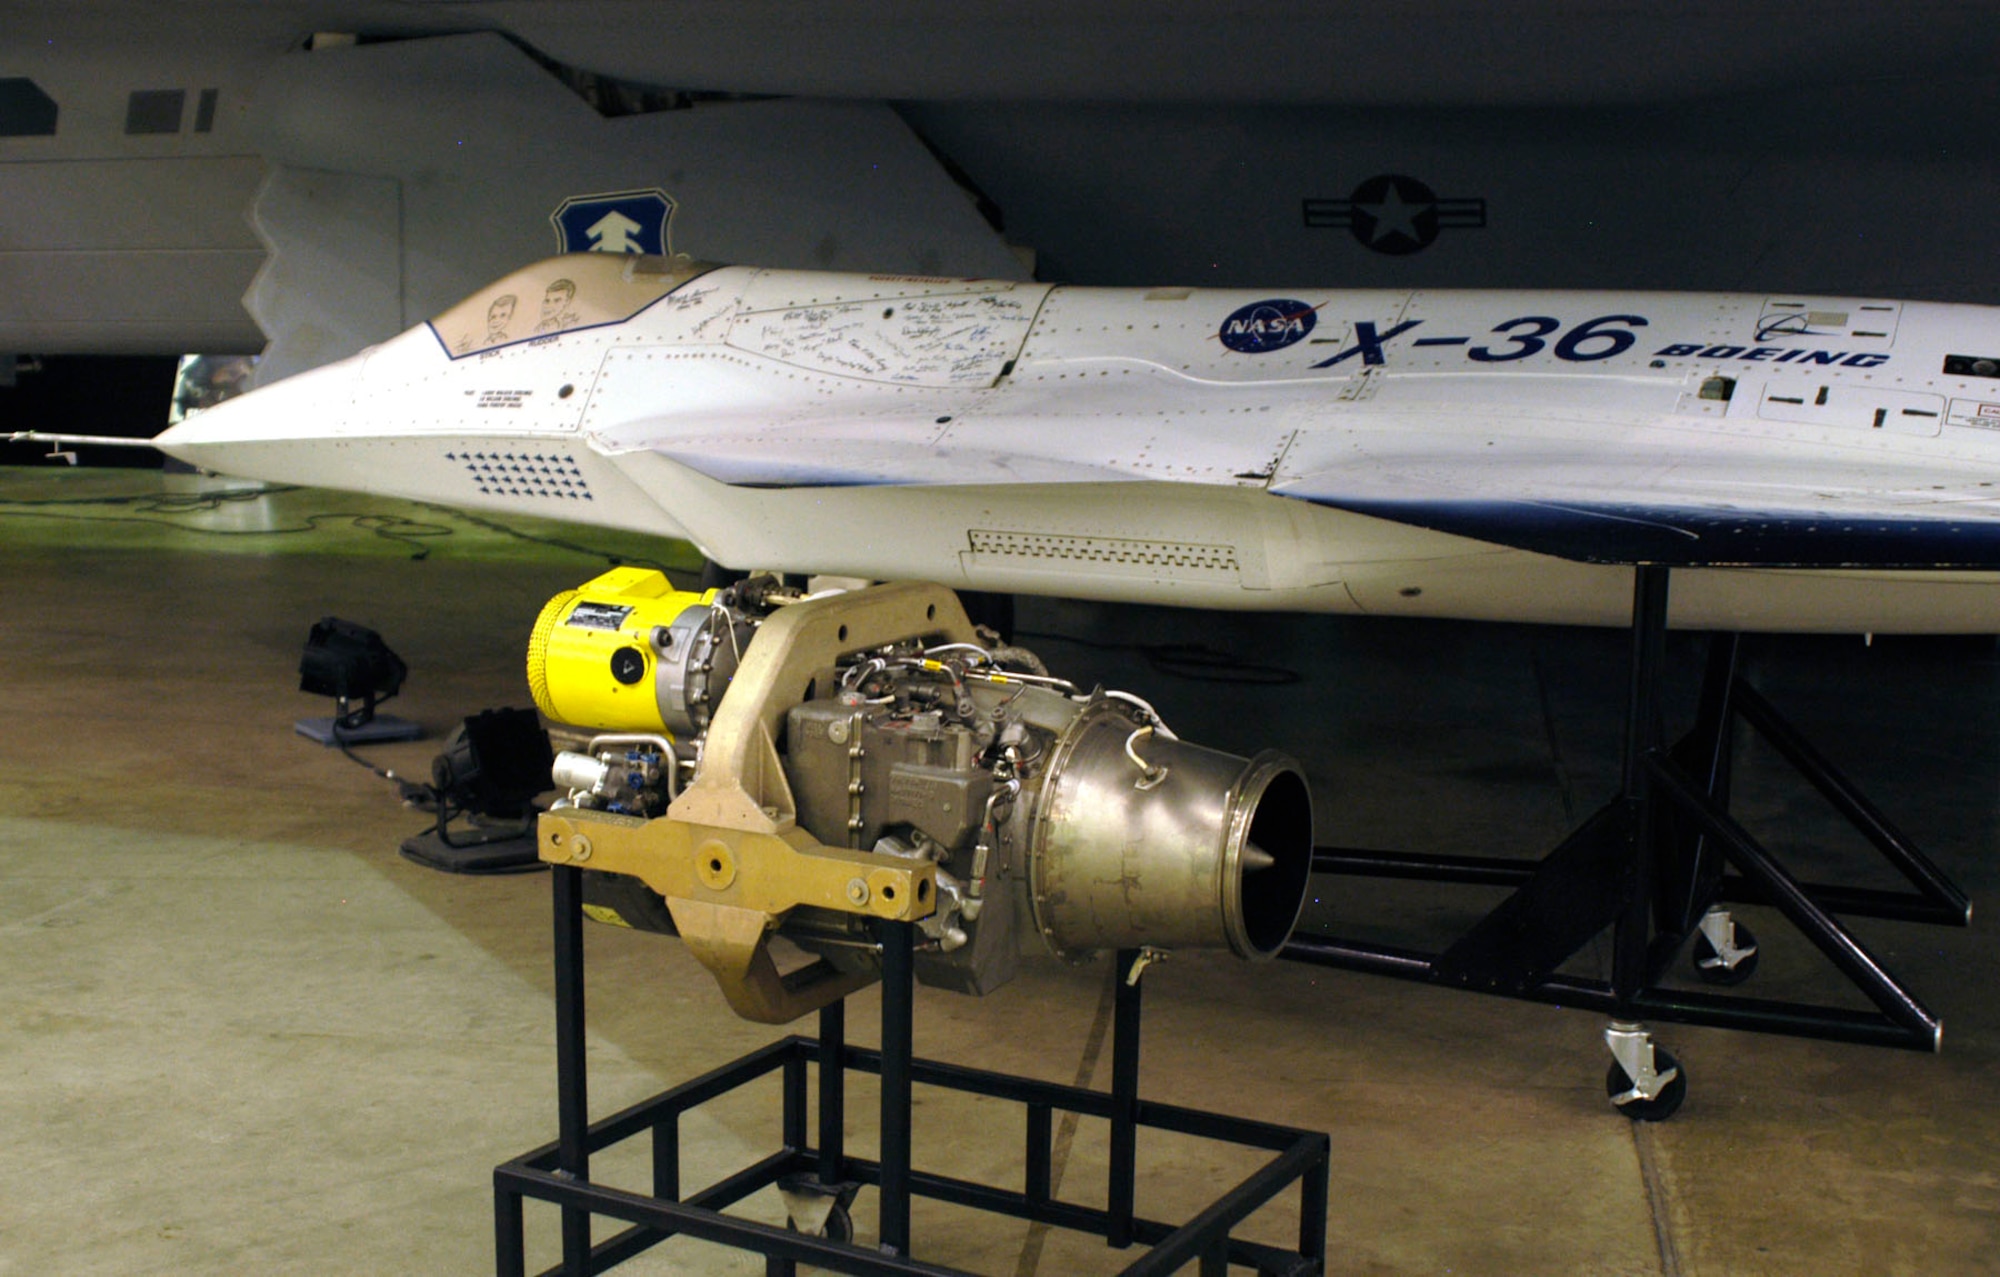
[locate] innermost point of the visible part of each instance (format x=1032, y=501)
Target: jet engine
x=766, y=763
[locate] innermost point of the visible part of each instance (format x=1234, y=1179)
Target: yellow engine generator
x=628, y=652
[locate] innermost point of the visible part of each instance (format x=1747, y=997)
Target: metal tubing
x=1712, y=714
x=1704, y=795
x=572, y=1086
x=1000, y=1201
x=1231, y=1209
x=700, y=1218
x=1000, y=1086
x=1713, y=737
x=667, y=1156
x=1265, y=1186
x=1313, y=1187
x=1793, y=1019
x=637, y=1240
x=1119, y=1196
x=1216, y=1126
x=657, y=1219
x=1021, y=1090
x=1356, y=955
x=510, y=1258
x=1489, y=871
x=607, y=1255
x=1850, y=802
x=639, y=1117
x=1642, y=705
x=795, y=1103
x=898, y=996
x=1858, y=902
x=1723, y=1011
x=1632, y=933
x=1847, y=953
x=760, y=1174
x=1038, y=1182
x=558, y=1173
x=832, y=1091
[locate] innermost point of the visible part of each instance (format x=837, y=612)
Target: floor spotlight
x=492, y=768
x=351, y=663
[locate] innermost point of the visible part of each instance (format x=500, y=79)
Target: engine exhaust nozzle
x=1143, y=840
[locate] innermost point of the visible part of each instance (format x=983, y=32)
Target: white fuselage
x=1195, y=447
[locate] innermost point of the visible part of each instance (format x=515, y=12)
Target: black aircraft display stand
x=1655, y=861
x=560, y=1172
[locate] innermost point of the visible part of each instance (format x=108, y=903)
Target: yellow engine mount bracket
x=729, y=855
x=591, y=658
x=728, y=890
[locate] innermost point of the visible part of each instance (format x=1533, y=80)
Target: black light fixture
x=493, y=766
x=351, y=663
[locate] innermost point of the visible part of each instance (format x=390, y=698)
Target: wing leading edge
x=1692, y=537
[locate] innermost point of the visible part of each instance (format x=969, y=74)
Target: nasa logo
x=1262, y=327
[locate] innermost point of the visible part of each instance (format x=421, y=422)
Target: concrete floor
x=238, y=1033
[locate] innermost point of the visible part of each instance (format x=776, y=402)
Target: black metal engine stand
x=1652, y=866
x=560, y=1172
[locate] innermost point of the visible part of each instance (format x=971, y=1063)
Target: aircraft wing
x=1610, y=491
x=1610, y=486
x=1704, y=504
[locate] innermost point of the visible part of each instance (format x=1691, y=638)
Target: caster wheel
x=1725, y=977
x=839, y=1225
x=1661, y=1106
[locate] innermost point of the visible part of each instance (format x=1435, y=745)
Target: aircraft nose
x=232, y=437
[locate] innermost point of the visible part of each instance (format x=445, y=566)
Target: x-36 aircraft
x=1796, y=462
x=1430, y=453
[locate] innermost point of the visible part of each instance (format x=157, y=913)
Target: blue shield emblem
x=619, y=222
